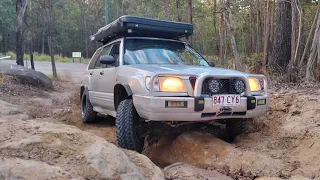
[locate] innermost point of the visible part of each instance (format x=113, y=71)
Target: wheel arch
x=121, y=92
x=82, y=89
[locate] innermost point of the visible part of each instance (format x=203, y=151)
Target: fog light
x=176, y=104
x=261, y=102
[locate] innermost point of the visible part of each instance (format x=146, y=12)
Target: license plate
x=226, y=100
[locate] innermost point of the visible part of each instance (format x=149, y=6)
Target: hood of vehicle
x=185, y=69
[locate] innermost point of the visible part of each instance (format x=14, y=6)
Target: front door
x=96, y=97
x=107, y=79
x=93, y=74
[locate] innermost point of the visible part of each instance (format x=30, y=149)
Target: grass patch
x=51, y=76
x=45, y=57
x=10, y=53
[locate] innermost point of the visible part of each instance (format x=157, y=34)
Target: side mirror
x=107, y=59
x=211, y=64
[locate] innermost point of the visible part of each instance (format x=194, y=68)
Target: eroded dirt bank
x=284, y=143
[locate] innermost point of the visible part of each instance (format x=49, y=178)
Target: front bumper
x=154, y=109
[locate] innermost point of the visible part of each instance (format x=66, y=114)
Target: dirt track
x=283, y=143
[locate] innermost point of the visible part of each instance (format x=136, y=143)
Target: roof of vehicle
x=127, y=26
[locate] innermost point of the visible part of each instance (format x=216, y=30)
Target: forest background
x=279, y=38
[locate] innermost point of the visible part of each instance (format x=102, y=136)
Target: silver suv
x=143, y=80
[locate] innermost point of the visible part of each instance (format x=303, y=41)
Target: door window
x=94, y=59
x=105, y=51
x=115, y=52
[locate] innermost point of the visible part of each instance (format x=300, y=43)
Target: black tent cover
x=126, y=26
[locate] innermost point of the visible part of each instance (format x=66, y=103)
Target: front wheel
x=128, y=127
x=235, y=127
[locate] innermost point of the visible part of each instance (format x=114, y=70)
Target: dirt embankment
x=284, y=143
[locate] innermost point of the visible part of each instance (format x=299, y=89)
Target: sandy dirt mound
x=28, y=169
x=290, y=132
x=203, y=150
x=283, y=143
x=63, y=148
x=181, y=171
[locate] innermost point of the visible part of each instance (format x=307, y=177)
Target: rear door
x=107, y=78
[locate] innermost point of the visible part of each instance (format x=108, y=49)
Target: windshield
x=150, y=51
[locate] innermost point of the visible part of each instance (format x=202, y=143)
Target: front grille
x=227, y=86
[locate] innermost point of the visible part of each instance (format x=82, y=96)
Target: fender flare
x=128, y=89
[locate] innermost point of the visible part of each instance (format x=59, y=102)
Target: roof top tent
x=131, y=26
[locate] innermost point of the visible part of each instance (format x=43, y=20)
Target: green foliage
x=7, y=16
x=253, y=62
x=76, y=20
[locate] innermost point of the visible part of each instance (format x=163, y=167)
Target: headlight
x=254, y=84
x=169, y=84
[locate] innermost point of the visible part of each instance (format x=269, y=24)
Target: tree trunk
x=244, y=49
x=259, y=28
x=51, y=45
x=222, y=37
x=178, y=5
x=266, y=40
x=295, y=39
x=314, y=55
x=272, y=21
x=31, y=54
x=190, y=17
x=51, y=37
x=232, y=37
x=86, y=38
x=21, y=6
x=306, y=48
x=166, y=10
x=215, y=25
x=281, y=50
x=43, y=33
x=252, y=36
x=122, y=7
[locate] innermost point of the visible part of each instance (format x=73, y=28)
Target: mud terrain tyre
x=87, y=112
x=127, y=127
x=235, y=127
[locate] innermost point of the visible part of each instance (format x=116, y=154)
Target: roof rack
x=133, y=26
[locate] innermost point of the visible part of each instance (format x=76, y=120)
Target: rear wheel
x=235, y=127
x=129, y=127
x=87, y=112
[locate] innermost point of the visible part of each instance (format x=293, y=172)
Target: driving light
x=254, y=84
x=239, y=86
x=214, y=85
x=169, y=84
